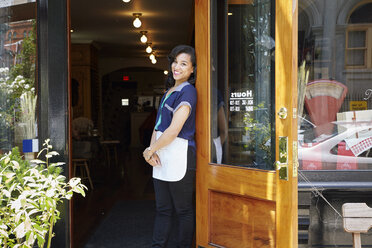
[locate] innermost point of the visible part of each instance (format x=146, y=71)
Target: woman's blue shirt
x=184, y=94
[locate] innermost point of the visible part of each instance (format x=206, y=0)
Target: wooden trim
x=202, y=46
x=286, y=18
x=248, y=183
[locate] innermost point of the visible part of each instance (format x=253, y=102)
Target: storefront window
x=242, y=86
x=335, y=85
x=18, y=92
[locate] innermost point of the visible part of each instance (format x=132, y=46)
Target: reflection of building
x=333, y=39
x=14, y=36
x=6, y=3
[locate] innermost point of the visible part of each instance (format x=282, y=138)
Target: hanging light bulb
x=126, y=1
x=153, y=61
x=137, y=22
x=143, y=37
x=152, y=56
x=148, y=48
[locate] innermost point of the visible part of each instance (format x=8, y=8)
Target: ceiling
x=108, y=24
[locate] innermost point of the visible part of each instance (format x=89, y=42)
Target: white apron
x=173, y=160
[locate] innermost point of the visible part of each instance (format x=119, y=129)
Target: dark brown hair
x=172, y=56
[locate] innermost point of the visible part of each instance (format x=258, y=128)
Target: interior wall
x=110, y=64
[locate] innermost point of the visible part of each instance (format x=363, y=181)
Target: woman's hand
x=154, y=160
x=151, y=157
x=147, y=153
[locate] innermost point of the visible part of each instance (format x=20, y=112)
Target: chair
x=357, y=220
x=81, y=155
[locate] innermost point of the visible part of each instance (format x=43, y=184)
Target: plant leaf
x=20, y=231
x=37, y=161
x=16, y=164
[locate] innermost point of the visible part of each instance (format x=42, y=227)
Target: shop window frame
x=368, y=46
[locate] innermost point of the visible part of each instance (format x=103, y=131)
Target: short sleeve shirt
x=184, y=94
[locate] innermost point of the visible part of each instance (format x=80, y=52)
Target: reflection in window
x=335, y=92
x=17, y=77
x=242, y=83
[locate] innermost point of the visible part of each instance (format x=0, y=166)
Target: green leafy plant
x=16, y=79
x=259, y=130
x=29, y=196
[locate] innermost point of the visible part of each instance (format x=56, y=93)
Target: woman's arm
x=153, y=137
x=222, y=124
x=178, y=120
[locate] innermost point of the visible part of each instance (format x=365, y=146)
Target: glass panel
x=356, y=39
x=17, y=73
x=242, y=83
x=355, y=57
x=335, y=101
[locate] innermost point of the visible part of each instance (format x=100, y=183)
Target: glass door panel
x=242, y=83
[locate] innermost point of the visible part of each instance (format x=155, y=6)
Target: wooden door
x=246, y=50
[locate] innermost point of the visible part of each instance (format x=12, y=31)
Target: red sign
x=125, y=78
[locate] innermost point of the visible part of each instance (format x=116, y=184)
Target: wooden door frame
x=286, y=18
x=286, y=12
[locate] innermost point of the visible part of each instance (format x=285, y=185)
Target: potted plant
x=29, y=195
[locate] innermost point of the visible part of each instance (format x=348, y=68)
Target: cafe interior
x=118, y=58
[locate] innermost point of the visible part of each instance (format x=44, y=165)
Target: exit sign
x=125, y=78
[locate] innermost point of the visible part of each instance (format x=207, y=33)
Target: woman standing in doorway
x=172, y=150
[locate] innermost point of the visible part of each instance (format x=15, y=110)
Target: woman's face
x=182, y=67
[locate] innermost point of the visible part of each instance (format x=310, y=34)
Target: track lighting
x=153, y=61
x=143, y=37
x=137, y=22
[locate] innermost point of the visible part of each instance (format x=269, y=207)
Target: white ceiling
x=108, y=23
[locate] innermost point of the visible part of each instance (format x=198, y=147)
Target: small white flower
x=27, y=86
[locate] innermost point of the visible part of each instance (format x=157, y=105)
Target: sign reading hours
x=241, y=101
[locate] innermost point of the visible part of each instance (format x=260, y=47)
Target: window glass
x=355, y=57
x=335, y=85
x=17, y=73
x=242, y=83
x=356, y=39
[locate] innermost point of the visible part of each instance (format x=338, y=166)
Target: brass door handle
x=283, y=113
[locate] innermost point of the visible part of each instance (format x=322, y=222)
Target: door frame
x=286, y=12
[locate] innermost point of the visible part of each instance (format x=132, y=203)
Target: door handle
x=283, y=113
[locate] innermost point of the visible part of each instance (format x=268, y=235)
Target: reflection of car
x=348, y=147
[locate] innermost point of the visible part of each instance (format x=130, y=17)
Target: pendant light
x=137, y=22
x=152, y=55
x=143, y=37
x=148, y=48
